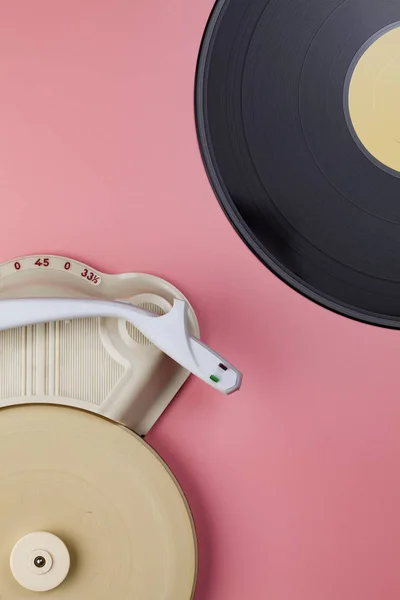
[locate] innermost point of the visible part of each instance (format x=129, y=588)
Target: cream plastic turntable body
x=119, y=346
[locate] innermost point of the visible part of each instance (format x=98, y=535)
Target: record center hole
x=39, y=562
x=374, y=98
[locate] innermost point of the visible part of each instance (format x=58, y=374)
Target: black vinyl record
x=281, y=155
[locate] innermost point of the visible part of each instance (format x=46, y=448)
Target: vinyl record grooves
x=286, y=93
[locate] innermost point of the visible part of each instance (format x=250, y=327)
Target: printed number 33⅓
x=90, y=276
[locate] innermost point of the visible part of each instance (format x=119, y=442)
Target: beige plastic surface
x=105, y=494
x=102, y=365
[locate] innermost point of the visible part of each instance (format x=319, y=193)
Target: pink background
x=294, y=482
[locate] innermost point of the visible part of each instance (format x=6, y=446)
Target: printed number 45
x=42, y=263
